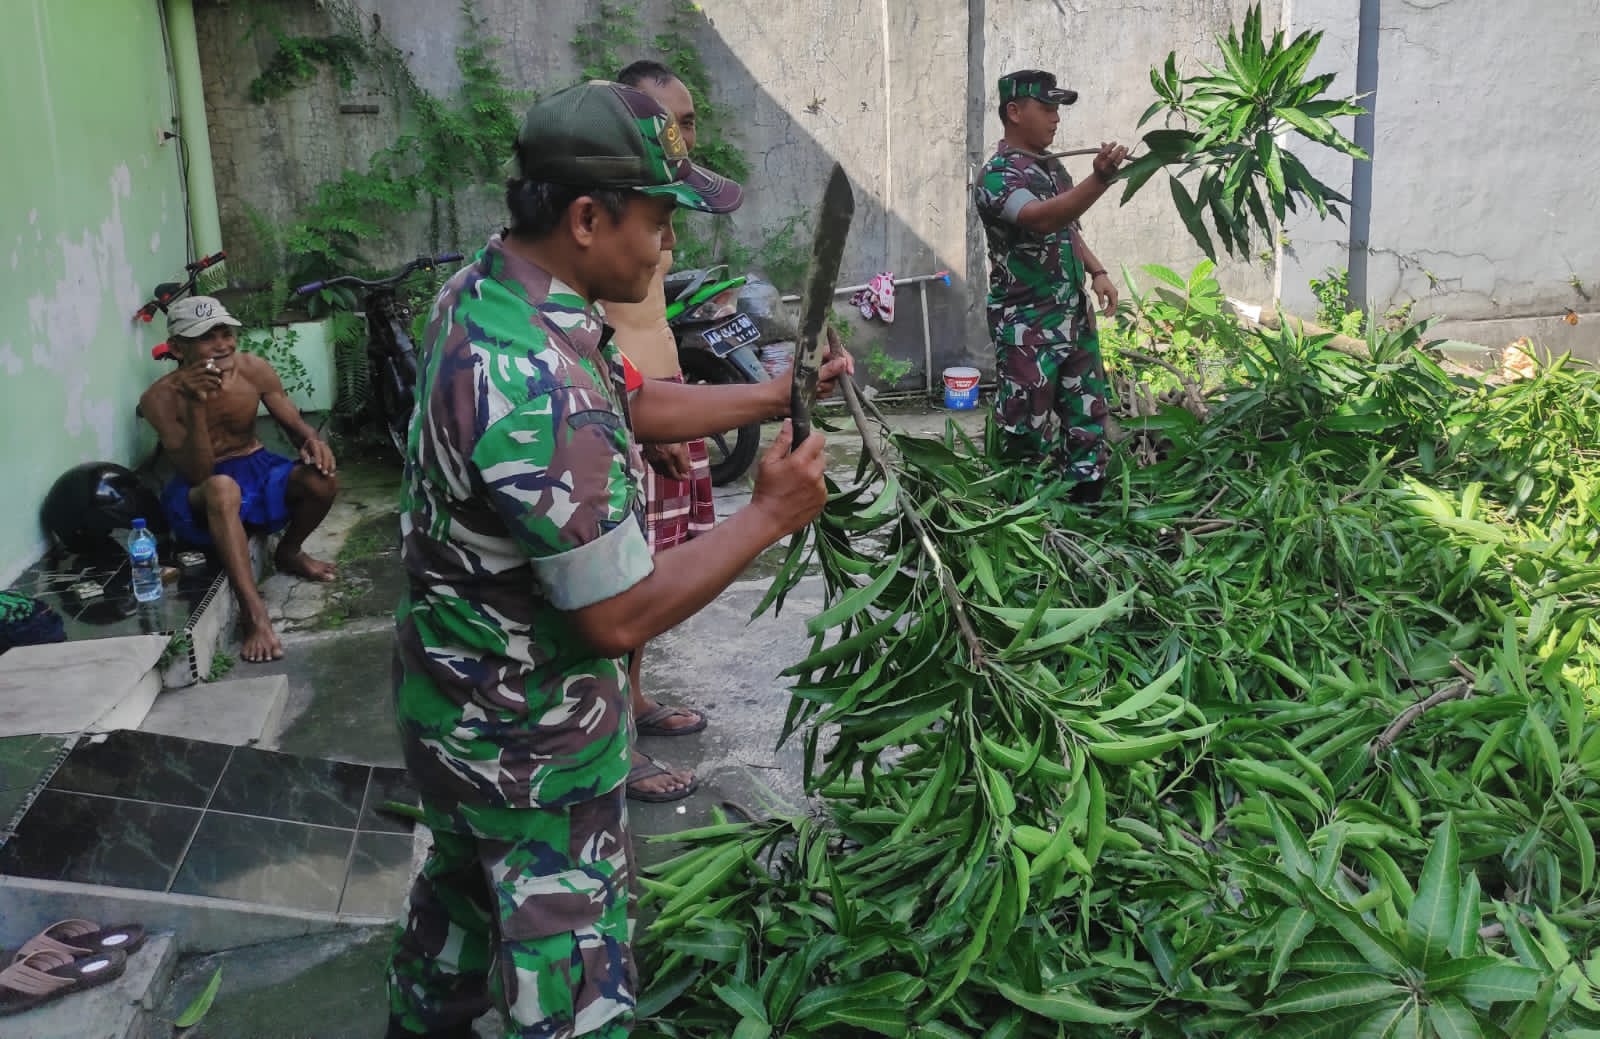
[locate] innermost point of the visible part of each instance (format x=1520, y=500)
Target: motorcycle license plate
x=737, y=331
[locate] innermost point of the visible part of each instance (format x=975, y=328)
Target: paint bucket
x=961, y=388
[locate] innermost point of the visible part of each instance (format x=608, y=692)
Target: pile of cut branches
x=1290, y=736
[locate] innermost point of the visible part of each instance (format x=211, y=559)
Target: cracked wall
x=902, y=94
x=1485, y=157
x=883, y=86
x=96, y=218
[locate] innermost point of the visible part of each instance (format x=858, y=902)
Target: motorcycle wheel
x=733, y=452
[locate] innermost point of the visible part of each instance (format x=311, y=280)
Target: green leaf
x=1432, y=918
x=752, y=1028
x=1469, y=917
x=1497, y=982
x=857, y=600
x=1335, y=1024
x=881, y=1018
x=1373, y=947
x=1323, y=994
x=1066, y=1004
x=1190, y=212
x=1292, y=847
x=1581, y=836
x=1293, y=927
x=744, y=1000
x=1450, y=1019
x=1137, y=173
x=202, y=1004
x=1392, y=1021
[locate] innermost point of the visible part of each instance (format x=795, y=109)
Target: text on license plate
x=736, y=333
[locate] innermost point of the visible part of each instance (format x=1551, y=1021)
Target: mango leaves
x=1291, y=735
x=1231, y=123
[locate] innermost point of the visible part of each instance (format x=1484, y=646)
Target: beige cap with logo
x=193, y=316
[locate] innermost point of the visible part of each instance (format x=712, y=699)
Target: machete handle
x=799, y=417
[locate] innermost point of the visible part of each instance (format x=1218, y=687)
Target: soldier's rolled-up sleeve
x=1003, y=192
x=557, y=471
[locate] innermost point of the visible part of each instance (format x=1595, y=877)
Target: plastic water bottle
x=146, y=569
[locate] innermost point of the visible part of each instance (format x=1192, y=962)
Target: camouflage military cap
x=1037, y=84
x=606, y=135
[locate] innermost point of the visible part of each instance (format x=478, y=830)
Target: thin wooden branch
x=947, y=582
x=1190, y=387
x=1386, y=740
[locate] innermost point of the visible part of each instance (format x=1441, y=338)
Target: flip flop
x=47, y=975
x=649, y=769
x=649, y=723
x=82, y=938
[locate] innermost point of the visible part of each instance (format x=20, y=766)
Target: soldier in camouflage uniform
x=530, y=577
x=1051, y=402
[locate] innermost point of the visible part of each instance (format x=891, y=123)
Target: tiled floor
x=25, y=763
x=163, y=813
x=115, y=611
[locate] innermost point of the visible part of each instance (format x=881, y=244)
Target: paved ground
x=337, y=640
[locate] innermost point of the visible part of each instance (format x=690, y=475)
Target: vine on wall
x=449, y=145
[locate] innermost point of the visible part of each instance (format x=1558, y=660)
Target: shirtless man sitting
x=227, y=482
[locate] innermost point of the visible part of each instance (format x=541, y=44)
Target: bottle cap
x=138, y=524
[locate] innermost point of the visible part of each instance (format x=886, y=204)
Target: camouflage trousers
x=1051, y=404
x=524, y=909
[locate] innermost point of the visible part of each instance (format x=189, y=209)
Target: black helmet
x=90, y=501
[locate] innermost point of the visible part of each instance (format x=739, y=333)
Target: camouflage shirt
x=1035, y=280
x=521, y=503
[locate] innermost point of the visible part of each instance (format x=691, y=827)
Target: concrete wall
x=1105, y=52
x=95, y=217
x=1485, y=142
x=902, y=94
x=882, y=86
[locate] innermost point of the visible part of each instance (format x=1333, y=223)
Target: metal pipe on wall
x=921, y=281
x=193, y=135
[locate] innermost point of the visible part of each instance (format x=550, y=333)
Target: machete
x=822, y=277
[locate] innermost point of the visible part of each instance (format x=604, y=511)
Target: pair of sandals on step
x=64, y=958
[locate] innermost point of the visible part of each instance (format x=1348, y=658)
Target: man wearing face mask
x=1051, y=403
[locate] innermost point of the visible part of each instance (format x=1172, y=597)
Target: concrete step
x=122, y=1009
x=239, y=711
x=210, y=628
x=91, y=686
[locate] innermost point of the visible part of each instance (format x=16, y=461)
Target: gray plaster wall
x=1485, y=143
x=885, y=87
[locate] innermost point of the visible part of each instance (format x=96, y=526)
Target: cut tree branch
x=947, y=582
x=1190, y=386
x=1456, y=692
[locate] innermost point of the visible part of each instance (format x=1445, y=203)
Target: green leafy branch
x=1232, y=118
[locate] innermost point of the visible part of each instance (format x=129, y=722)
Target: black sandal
x=48, y=975
x=84, y=937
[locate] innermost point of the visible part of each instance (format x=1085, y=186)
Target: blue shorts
x=263, y=479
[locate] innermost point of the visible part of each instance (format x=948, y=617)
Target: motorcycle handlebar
x=147, y=312
x=419, y=264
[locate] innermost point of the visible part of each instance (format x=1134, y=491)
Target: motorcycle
x=720, y=323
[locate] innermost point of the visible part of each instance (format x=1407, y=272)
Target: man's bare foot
x=260, y=642
x=301, y=565
x=649, y=780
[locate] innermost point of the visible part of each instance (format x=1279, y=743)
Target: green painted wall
x=94, y=218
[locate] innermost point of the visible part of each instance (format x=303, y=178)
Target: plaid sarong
x=677, y=510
